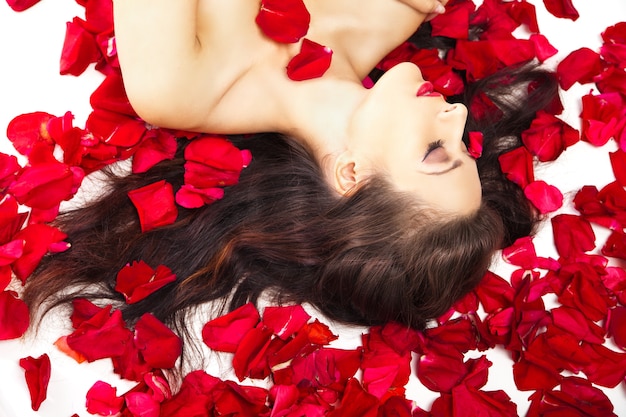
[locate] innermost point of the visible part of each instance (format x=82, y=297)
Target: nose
x=455, y=110
x=452, y=118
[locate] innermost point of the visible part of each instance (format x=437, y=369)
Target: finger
x=439, y=9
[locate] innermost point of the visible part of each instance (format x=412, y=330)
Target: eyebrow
x=454, y=165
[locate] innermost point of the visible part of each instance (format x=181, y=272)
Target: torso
x=249, y=69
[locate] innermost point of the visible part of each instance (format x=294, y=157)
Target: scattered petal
x=155, y=205
x=138, y=280
x=284, y=21
x=37, y=373
x=311, y=62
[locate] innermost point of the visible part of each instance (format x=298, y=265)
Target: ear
x=344, y=173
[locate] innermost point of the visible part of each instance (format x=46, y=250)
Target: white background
x=30, y=46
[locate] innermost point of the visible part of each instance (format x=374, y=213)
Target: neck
x=317, y=113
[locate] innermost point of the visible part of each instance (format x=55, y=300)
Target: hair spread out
x=374, y=256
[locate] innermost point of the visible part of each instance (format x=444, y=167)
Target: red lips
x=427, y=90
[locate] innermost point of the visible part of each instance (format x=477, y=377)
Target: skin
x=204, y=65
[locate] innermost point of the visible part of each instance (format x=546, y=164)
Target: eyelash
x=431, y=147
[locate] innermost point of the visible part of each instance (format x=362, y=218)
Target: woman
x=180, y=72
x=370, y=209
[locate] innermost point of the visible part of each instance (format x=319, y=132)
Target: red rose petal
x=616, y=326
x=79, y=48
x=615, y=245
x=574, y=322
x=21, y=5
x=547, y=198
x=562, y=8
x=190, y=197
x=138, y=280
x=37, y=373
x=249, y=359
x=285, y=321
x=454, y=23
x=573, y=235
x=517, y=165
x=543, y=48
x=524, y=13
x=601, y=116
x=26, y=130
x=311, y=62
x=37, y=240
x=475, y=147
x=14, y=317
x=226, y=332
x=159, y=346
x=156, y=146
x=548, y=136
x=155, y=205
x=142, y=404
x=580, y=66
x=355, y=402
x=44, y=186
x=102, y=399
x=618, y=163
x=284, y=21
x=103, y=336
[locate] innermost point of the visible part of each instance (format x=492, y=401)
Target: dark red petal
x=37, y=373
x=102, y=399
x=159, y=346
x=573, y=235
x=616, y=325
x=615, y=245
x=155, y=205
x=312, y=61
x=533, y=372
x=284, y=21
x=356, y=402
x=14, y=317
x=562, y=8
x=618, y=162
x=226, y=332
x=574, y=322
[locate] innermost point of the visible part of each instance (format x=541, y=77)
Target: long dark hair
x=374, y=256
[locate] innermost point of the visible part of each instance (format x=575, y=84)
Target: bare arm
x=160, y=57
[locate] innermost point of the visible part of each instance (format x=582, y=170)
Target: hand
x=431, y=8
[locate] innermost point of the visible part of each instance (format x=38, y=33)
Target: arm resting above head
x=160, y=57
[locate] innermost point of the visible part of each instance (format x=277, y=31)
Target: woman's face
x=416, y=141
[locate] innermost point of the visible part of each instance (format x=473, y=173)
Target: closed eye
x=435, y=153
